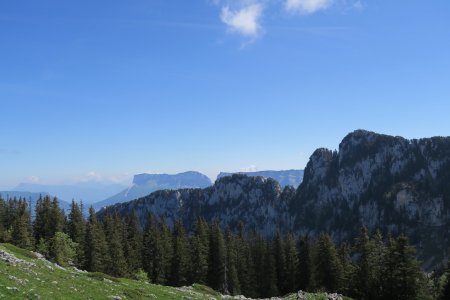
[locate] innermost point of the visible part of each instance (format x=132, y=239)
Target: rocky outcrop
x=259, y=203
x=284, y=178
x=383, y=182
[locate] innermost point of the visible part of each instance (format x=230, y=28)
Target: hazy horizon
x=100, y=91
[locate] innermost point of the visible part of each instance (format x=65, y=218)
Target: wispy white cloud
x=307, y=6
x=245, y=16
x=251, y=168
x=245, y=20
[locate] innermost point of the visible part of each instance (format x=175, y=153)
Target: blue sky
x=106, y=89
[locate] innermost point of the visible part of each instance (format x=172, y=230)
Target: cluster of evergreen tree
x=232, y=263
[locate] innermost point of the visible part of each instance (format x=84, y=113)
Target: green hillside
x=25, y=276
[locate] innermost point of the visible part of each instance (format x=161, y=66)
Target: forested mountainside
x=384, y=182
x=260, y=203
x=284, y=177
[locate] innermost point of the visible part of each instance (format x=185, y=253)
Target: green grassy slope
x=24, y=276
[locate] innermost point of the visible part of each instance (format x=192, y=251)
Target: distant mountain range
x=384, y=182
x=33, y=198
x=145, y=184
x=88, y=192
x=284, y=178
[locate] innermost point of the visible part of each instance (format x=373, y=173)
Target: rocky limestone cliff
x=284, y=177
x=260, y=203
x=384, y=182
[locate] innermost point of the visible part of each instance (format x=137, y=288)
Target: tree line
x=242, y=262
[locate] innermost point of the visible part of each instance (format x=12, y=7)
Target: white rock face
x=379, y=181
x=257, y=202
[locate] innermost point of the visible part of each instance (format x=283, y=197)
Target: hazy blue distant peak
x=88, y=192
x=185, y=179
x=145, y=184
x=284, y=177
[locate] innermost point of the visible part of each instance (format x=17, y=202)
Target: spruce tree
x=133, y=245
x=163, y=254
x=363, y=272
x=217, y=260
x=76, y=228
x=200, y=251
x=245, y=264
x=49, y=219
x=231, y=264
x=21, y=227
x=269, y=279
x=328, y=269
x=149, y=247
x=96, y=248
x=258, y=252
x=2, y=220
x=292, y=265
x=180, y=262
x=280, y=262
x=117, y=264
x=305, y=266
x=403, y=271
x=348, y=269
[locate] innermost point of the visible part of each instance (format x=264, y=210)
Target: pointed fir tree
x=280, y=262
x=348, y=269
x=21, y=228
x=217, y=260
x=163, y=254
x=305, y=264
x=258, y=252
x=245, y=264
x=96, y=247
x=328, y=269
x=231, y=264
x=363, y=272
x=76, y=228
x=133, y=245
x=292, y=265
x=117, y=264
x=2, y=220
x=200, y=251
x=180, y=262
x=149, y=247
x=269, y=279
x=402, y=271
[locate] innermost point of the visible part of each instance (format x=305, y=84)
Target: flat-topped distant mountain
x=145, y=184
x=33, y=198
x=89, y=192
x=284, y=178
x=384, y=182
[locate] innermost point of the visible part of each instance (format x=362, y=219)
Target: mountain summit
x=284, y=178
x=384, y=182
x=144, y=184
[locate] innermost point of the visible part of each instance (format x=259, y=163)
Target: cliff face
x=386, y=183
x=258, y=202
x=383, y=182
x=284, y=178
